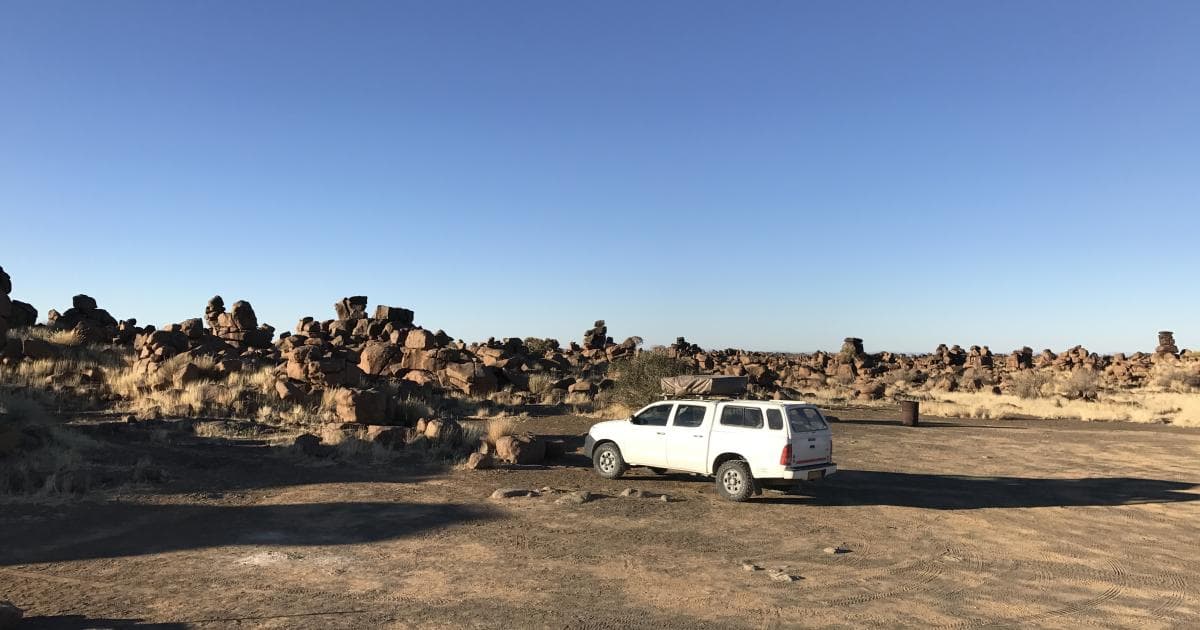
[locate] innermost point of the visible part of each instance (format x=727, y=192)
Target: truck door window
x=655, y=416
x=774, y=420
x=748, y=417
x=689, y=416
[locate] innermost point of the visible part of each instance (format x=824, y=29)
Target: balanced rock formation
x=1166, y=343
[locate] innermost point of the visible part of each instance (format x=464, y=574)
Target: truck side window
x=774, y=419
x=689, y=416
x=748, y=417
x=655, y=416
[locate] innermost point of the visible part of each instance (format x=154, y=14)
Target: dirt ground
x=953, y=524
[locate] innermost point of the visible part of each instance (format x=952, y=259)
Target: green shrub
x=636, y=379
x=537, y=346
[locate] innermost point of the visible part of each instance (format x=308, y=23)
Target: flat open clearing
x=953, y=524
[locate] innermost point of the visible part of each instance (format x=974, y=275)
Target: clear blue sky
x=773, y=175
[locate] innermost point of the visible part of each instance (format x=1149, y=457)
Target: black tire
x=607, y=461
x=734, y=481
x=658, y=471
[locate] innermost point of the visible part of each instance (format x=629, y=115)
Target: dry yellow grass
x=1182, y=409
x=539, y=384
x=497, y=428
x=610, y=411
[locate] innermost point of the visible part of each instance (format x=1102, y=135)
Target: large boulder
x=400, y=317
x=351, y=307
x=419, y=339
x=377, y=355
x=23, y=315
x=472, y=379
x=362, y=406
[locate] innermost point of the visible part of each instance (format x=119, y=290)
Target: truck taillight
x=785, y=458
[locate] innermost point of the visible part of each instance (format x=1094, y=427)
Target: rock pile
x=238, y=327
x=91, y=323
x=597, y=337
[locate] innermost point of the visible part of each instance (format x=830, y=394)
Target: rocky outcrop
x=5, y=303
x=91, y=323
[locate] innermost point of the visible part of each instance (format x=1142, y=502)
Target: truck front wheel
x=734, y=481
x=608, y=462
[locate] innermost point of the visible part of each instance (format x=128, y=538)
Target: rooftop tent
x=704, y=385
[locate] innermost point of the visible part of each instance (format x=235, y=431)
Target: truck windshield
x=805, y=419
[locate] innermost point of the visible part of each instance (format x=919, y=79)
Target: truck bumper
x=810, y=473
x=589, y=445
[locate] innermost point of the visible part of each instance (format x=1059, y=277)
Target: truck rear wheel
x=734, y=481
x=608, y=462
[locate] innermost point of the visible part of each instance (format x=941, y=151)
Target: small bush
x=1029, y=384
x=636, y=379
x=537, y=346
x=1083, y=383
x=1178, y=379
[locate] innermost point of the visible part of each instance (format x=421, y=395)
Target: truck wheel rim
x=732, y=481
x=607, y=461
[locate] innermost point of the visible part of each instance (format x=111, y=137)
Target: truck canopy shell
x=704, y=385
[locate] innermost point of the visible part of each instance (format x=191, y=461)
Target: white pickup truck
x=745, y=444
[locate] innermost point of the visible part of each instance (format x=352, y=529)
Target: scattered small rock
x=480, y=461
x=509, y=493
x=575, y=498
x=632, y=493
x=842, y=548
x=783, y=576
x=750, y=566
x=10, y=615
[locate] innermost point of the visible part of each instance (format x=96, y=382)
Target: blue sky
x=772, y=175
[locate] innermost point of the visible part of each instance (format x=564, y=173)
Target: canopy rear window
x=805, y=419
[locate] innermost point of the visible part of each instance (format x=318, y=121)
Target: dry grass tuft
x=497, y=428
x=410, y=409
x=1082, y=383
x=1030, y=384
x=609, y=411
x=38, y=457
x=539, y=384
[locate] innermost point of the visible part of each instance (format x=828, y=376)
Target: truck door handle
x=660, y=433
x=699, y=436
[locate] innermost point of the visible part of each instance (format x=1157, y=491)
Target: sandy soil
x=954, y=524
